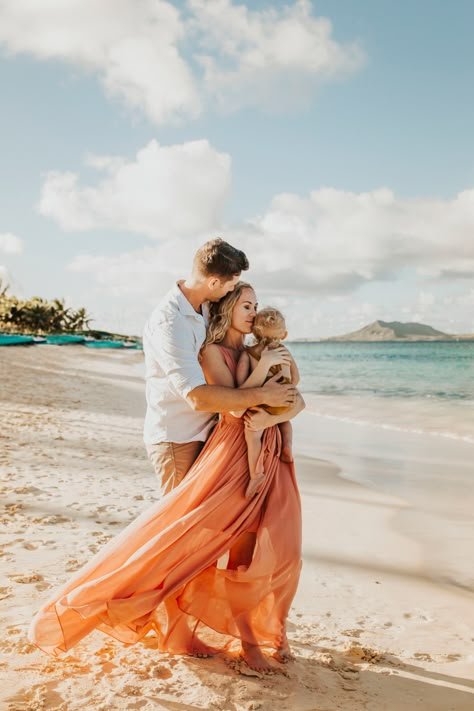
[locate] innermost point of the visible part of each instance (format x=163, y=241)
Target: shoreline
x=392, y=414
x=431, y=476
x=368, y=630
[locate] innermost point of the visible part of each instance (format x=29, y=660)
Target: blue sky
x=339, y=156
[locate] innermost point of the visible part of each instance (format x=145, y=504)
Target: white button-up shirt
x=172, y=338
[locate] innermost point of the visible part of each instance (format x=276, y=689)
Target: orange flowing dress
x=166, y=571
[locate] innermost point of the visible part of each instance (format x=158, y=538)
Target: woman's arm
x=214, y=367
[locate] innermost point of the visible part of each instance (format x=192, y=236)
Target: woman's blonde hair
x=220, y=314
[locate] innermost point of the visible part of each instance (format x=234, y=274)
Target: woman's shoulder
x=212, y=352
x=211, y=348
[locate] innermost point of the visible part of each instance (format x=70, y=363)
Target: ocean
x=399, y=418
x=418, y=386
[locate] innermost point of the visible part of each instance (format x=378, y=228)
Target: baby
x=269, y=329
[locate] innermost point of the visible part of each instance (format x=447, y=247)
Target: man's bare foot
x=255, y=484
x=254, y=658
x=286, y=454
x=201, y=649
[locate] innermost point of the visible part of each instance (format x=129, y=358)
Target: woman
x=161, y=573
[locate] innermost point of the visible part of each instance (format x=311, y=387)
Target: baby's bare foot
x=255, y=484
x=286, y=454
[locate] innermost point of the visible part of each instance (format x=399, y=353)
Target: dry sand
x=369, y=630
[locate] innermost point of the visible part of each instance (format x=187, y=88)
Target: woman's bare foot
x=283, y=654
x=254, y=485
x=201, y=649
x=254, y=658
x=286, y=454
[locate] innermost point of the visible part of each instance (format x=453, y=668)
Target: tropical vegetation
x=39, y=316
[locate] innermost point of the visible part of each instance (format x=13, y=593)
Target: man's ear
x=284, y=335
x=213, y=283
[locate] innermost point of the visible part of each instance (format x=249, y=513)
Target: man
x=181, y=407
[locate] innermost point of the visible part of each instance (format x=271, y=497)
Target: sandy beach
x=380, y=621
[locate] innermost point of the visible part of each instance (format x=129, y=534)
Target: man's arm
x=220, y=395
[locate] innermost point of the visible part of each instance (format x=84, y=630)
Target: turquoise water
x=399, y=417
x=428, y=370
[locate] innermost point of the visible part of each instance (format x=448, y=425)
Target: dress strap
x=229, y=361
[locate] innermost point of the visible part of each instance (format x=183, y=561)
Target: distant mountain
x=397, y=331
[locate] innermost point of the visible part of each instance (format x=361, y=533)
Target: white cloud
x=330, y=242
x=164, y=192
x=337, y=241
x=10, y=243
x=317, y=254
x=234, y=56
x=132, y=46
x=271, y=57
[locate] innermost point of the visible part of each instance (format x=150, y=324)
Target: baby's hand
x=274, y=356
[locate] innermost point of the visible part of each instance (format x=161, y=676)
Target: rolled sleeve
x=175, y=349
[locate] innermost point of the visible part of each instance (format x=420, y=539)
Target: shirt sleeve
x=173, y=345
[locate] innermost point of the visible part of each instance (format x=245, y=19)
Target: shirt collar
x=185, y=307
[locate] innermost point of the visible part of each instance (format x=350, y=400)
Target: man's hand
x=278, y=395
x=257, y=419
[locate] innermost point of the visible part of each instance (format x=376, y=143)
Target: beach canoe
x=64, y=340
x=103, y=344
x=14, y=340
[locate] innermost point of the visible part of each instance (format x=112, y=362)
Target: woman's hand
x=274, y=356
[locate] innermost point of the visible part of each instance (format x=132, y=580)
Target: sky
x=331, y=140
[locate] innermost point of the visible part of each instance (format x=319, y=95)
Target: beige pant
x=172, y=461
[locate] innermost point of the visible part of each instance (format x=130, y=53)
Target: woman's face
x=244, y=311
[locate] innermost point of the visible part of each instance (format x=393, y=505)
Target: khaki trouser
x=172, y=461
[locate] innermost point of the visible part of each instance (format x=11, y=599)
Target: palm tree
x=79, y=320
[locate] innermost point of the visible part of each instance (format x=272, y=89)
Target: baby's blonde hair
x=269, y=325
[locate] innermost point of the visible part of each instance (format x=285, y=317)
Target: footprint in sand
x=51, y=520
x=423, y=657
x=72, y=565
x=13, y=509
x=36, y=698
x=356, y=653
x=353, y=633
x=28, y=490
x=26, y=579
x=42, y=586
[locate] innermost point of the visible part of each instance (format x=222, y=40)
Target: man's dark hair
x=220, y=259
